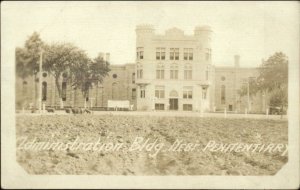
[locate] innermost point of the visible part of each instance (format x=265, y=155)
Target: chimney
x=107, y=57
x=237, y=61
x=101, y=55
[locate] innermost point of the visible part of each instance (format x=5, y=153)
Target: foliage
x=273, y=78
x=92, y=74
x=60, y=59
x=27, y=58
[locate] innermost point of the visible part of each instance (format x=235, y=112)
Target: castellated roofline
x=174, y=30
x=145, y=27
x=203, y=28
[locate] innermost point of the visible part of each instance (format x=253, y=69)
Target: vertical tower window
x=160, y=92
x=223, y=94
x=188, y=72
x=133, y=94
x=207, y=54
x=188, y=54
x=140, y=53
x=187, y=93
x=160, y=72
x=142, y=92
x=24, y=87
x=174, y=53
x=44, y=91
x=160, y=53
x=64, y=91
x=133, y=78
x=174, y=71
x=139, y=71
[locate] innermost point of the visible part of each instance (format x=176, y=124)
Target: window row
x=174, y=53
x=187, y=92
x=185, y=107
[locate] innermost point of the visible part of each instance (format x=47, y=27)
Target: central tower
x=174, y=70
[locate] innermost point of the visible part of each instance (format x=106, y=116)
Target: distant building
x=173, y=71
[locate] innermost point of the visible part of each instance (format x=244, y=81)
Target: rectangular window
x=140, y=73
x=160, y=53
x=159, y=106
x=159, y=92
x=160, y=74
x=133, y=94
x=188, y=74
x=142, y=93
x=187, y=93
x=207, y=54
x=140, y=53
x=173, y=74
x=188, y=54
x=187, y=107
x=133, y=78
x=174, y=53
x=185, y=53
x=223, y=92
x=64, y=91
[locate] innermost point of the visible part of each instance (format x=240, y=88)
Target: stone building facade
x=172, y=72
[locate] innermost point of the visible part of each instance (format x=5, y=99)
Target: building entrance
x=173, y=103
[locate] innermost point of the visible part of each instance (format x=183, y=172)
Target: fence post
x=225, y=113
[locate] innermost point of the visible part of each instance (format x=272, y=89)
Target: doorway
x=230, y=107
x=173, y=103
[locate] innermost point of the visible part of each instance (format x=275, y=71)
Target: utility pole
x=40, y=81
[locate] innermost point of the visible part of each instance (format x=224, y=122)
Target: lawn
x=124, y=130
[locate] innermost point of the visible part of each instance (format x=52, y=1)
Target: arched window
x=44, y=91
x=114, y=91
x=223, y=94
x=173, y=94
x=64, y=91
x=24, y=87
x=87, y=87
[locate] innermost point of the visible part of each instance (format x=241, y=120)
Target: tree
x=27, y=58
x=61, y=59
x=273, y=78
x=87, y=75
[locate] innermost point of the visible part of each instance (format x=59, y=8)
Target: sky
x=253, y=30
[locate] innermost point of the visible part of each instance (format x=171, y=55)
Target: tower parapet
x=144, y=31
x=203, y=31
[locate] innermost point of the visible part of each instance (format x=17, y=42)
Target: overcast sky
x=254, y=30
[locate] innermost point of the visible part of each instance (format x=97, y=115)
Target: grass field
x=124, y=129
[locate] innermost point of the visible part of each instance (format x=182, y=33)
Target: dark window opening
x=44, y=91
x=159, y=106
x=133, y=93
x=187, y=107
x=64, y=91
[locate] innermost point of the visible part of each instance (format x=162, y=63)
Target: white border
x=13, y=176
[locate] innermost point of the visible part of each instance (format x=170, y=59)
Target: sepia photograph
x=165, y=90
